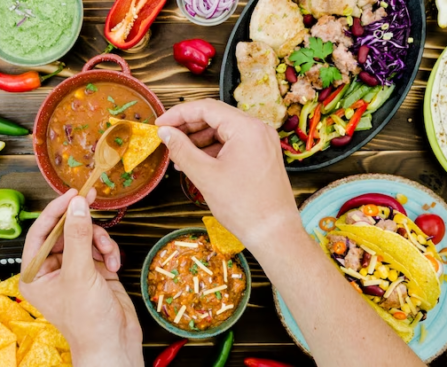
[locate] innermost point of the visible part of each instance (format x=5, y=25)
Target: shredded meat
x=354, y=258
x=328, y=28
x=387, y=225
x=369, y=16
x=333, y=239
x=356, y=216
x=345, y=61
x=393, y=300
x=313, y=75
x=300, y=92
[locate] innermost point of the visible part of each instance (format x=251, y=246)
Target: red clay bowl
x=55, y=97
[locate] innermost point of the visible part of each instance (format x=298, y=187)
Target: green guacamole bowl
x=35, y=33
x=209, y=333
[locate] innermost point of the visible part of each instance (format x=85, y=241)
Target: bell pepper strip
x=225, y=349
x=301, y=134
x=195, y=54
x=313, y=125
x=360, y=103
x=354, y=121
x=332, y=101
x=129, y=20
x=340, y=113
x=12, y=213
x=11, y=129
x=167, y=356
x=287, y=147
x=305, y=112
x=333, y=95
x=376, y=199
x=260, y=362
x=300, y=156
x=25, y=82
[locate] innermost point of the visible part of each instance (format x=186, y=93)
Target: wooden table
x=401, y=149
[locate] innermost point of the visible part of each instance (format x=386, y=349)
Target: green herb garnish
x=205, y=263
x=193, y=237
x=175, y=310
x=121, y=109
x=101, y=131
x=145, y=121
x=106, y=180
x=108, y=124
x=193, y=269
x=65, y=143
x=128, y=179
x=91, y=87
x=192, y=325
x=169, y=300
x=218, y=295
x=119, y=141
x=329, y=74
x=73, y=162
x=230, y=263
x=110, y=99
x=175, y=280
x=175, y=272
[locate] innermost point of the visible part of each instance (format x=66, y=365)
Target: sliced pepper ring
x=327, y=223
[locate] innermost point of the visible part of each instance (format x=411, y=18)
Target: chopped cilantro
x=190, y=290
x=175, y=280
x=119, y=141
x=230, y=263
x=218, y=295
x=121, y=109
x=91, y=87
x=192, y=325
x=128, y=179
x=320, y=50
x=106, y=180
x=193, y=237
x=73, y=162
x=175, y=310
x=329, y=74
x=193, y=269
x=169, y=300
x=65, y=143
x=128, y=182
x=175, y=272
x=110, y=99
x=101, y=131
x=145, y=121
x=108, y=124
x=83, y=127
x=205, y=262
x=304, y=57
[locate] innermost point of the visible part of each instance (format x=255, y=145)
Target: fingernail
x=112, y=263
x=105, y=241
x=79, y=207
x=164, y=133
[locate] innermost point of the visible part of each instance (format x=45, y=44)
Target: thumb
x=190, y=159
x=78, y=233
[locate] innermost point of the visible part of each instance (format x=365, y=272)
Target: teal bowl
x=209, y=333
x=54, y=53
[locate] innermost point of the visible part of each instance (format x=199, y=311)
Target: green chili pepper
x=12, y=213
x=12, y=129
x=225, y=349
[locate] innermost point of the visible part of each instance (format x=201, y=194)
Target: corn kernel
x=347, y=11
x=106, y=190
x=384, y=5
x=378, y=264
x=400, y=219
x=79, y=94
x=364, y=272
x=421, y=239
x=393, y=275
x=65, y=155
x=416, y=302
x=410, y=39
x=349, y=113
x=384, y=285
x=406, y=308
x=350, y=20
x=401, y=198
x=373, y=277
x=413, y=237
x=298, y=69
x=281, y=68
x=377, y=299
x=382, y=271
x=245, y=107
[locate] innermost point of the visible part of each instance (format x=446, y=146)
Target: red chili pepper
x=25, y=82
x=288, y=147
x=354, y=121
x=128, y=21
x=377, y=199
x=169, y=354
x=195, y=54
x=260, y=362
x=333, y=95
x=313, y=125
x=301, y=134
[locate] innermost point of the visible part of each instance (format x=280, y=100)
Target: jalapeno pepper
x=260, y=362
x=195, y=54
x=12, y=129
x=377, y=199
x=225, y=349
x=129, y=20
x=169, y=354
x=25, y=82
x=12, y=213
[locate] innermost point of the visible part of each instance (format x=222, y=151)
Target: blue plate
x=328, y=201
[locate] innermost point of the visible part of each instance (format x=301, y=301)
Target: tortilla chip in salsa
x=223, y=241
x=143, y=142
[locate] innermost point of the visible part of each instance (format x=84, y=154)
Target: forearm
x=339, y=326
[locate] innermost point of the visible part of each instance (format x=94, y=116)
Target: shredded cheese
x=164, y=272
x=225, y=272
x=203, y=316
x=352, y=273
x=412, y=306
x=372, y=264
x=196, y=284
x=368, y=250
x=180, y=314
x=412, y=240
x=401, y=299
x=186, y=244
x=416, y=320
x=214, y=290
x=160, y=303
x=169, y=258
x=223, y=309
x=393, y=285
x=201, y=266
x=368, y=283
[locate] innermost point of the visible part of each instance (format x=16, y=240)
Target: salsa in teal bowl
x=190, y=290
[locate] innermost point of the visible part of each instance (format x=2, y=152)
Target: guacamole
x=36, y=29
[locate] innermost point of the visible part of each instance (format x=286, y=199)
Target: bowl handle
x=114, y=221
x=107, y=57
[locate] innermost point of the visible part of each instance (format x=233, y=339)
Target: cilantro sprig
x=317, y=53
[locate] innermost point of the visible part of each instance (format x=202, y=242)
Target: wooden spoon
x=109, y=150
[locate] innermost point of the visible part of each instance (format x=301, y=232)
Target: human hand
x=77, y=288
x=240, y=170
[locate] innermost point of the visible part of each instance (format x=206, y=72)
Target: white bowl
x=204, y=21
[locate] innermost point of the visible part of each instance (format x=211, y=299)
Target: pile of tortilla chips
x=222, y=240
x=142, y=143
x=26, y=338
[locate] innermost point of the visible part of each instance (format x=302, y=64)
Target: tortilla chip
x=23, y=328
x=24, y=348
x=11, y=311
x=63, y=365
x=42, y=319
x=6, y=336
x=66, y=357
x=41, y=355
x=8, y=356
x=10, y=287
x=51, y=336
x=142, y=143
x=221, y=239
x=30, y=308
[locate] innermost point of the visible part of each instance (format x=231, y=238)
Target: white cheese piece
x=180, y=314
x=214, y=290
x=203, y=316
x=412, y=306
x=352, y=273
x=169, y=258
x=225, y=271
x=164, y=272
x=201, y=266
x=401, y=299
x=392, y=287
x=368, y=283
x=372, y=264
x=196, y=284
x=368, y=250
x=186, y=244
x=222, y=310
x=160, y=303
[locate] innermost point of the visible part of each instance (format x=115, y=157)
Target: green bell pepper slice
x=12, y=213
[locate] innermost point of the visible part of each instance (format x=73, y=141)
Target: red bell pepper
x=287, y=146
x=129, y=20
x=376, y=199
x=260, y=362
x=169, y=354
x=333, y=95
x=360, y=103
x=195, y=54
x=301, y=134
x=354, y=121
x=313, y=125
